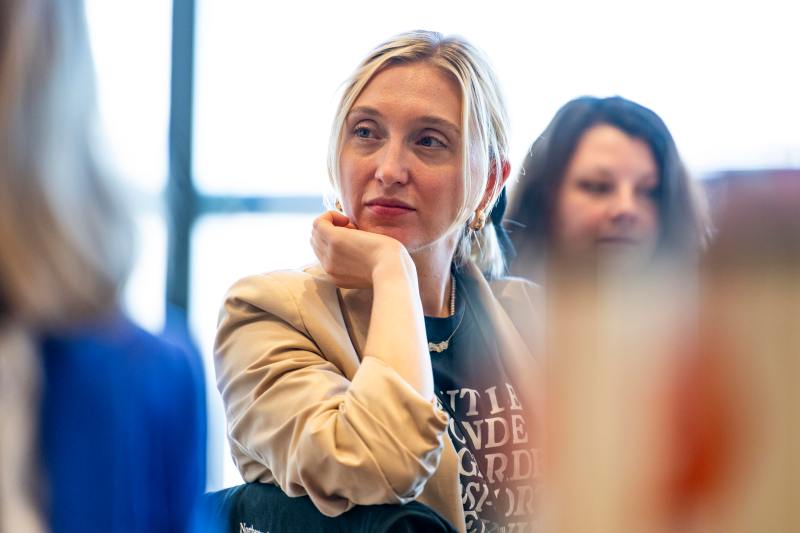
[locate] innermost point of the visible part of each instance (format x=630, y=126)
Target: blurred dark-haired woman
x=604, y=184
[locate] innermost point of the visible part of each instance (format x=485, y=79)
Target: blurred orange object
x=674, y=399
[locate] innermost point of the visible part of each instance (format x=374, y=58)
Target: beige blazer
x=308, y=411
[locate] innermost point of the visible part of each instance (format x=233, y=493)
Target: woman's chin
x=401, y=234
x=623, y=260
x=415, y=241
x=614, y=259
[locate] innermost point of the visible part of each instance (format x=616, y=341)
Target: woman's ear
x=505, y=168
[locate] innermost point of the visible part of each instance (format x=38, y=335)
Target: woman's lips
x=617, y=241
x=389, y=208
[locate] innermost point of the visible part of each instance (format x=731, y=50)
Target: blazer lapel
x=515, y=354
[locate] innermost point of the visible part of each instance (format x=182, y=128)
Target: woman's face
x=401, y=164
x=605, y=207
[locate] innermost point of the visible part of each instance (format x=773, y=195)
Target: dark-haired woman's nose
x=392, y=165
x=624, y=208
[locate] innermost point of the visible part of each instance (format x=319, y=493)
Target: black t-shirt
x=497, y=459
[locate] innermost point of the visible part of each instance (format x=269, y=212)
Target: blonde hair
x=484, y=123
x=65, y=240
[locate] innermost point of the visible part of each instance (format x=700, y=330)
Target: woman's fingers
x=338, y=219
x=322, y=227
x=325, y=225
x=332, y=218
x=346, y=253
x=324, y=236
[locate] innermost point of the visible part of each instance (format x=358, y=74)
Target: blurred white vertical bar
x=144, y=292
x=131, y=48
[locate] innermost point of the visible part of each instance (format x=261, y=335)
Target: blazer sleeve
x=368, y=441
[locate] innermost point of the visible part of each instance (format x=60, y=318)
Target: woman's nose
x=624, y=207
x=392, y=167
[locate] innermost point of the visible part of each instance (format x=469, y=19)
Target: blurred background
x=217, y=115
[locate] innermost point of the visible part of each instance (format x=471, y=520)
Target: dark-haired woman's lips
x=388, y=207
x=617, y=241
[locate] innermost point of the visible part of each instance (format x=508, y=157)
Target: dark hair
x=682, y=213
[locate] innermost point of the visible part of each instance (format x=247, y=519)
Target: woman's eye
x=648, y=192
x=647, y=188
x=430, y=141
x=595, y=187
x=363, y=132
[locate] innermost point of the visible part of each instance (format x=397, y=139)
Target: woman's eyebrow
x=364, y=110
x=597, y=172
x=440, y=123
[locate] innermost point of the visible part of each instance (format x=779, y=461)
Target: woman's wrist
x=397, y=326
x=395, y=265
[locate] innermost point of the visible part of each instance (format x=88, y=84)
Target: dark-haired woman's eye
x=647, y=191
x=595, y=186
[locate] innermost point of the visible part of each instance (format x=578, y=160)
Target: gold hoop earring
x=338, y=205
x=478, y=220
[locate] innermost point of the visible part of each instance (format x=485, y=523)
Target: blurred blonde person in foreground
x=102, y=425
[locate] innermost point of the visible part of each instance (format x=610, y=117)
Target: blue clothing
x=123, y=430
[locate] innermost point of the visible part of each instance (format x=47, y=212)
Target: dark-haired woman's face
x=605, y=206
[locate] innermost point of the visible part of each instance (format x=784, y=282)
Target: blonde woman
x=103, y=425
x=397, y=368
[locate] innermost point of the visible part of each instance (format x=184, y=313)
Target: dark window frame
x=185, y=204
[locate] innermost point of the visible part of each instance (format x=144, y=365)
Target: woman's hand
x=352, y=257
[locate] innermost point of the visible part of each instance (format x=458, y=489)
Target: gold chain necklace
x=439, y=347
